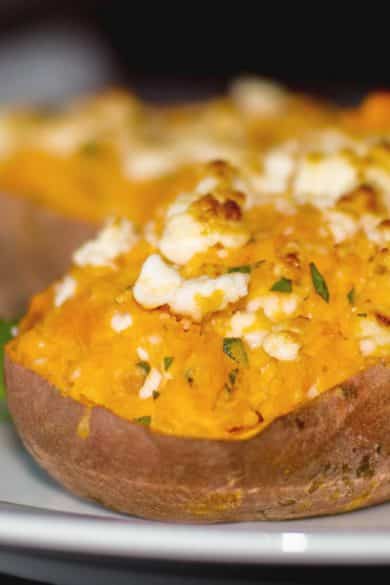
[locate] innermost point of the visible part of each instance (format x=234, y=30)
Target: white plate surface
x=38, y=514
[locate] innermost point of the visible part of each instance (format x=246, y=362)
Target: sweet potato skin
x=329, y=456
x=36, y=245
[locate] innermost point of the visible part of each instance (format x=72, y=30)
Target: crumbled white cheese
x=239, y=322
x=142, y=354
x=151, y=384
x=322, y=182
x=64, y=290
x=207, y=185
x=278, y=168
x=121, y=321
x=188, y=298
x=275, y=305
x=154, y=339
x=281, y=346
x=373, y=336
x=313, y=391
x=148, y=163
x=184, y=236
x=341, y=225
x=182, y=203
x=374, y=229
x=368, y=346
x=159, y=284
x=258, y=97
x=255, y=338
x=116, y=238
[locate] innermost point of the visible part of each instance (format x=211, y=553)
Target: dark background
x=173, y=51
x=51, y=50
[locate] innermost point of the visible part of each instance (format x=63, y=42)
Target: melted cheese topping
x=274, y=288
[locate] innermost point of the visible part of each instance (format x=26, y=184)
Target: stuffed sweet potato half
x=62, y=172
x=230, y=361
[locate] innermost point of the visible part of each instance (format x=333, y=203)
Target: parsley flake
x=144, y=420
x=283, y=285
x=319, y=283
x=235, y=350
x=168, y=360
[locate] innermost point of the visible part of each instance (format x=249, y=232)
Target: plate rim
x=38, y=529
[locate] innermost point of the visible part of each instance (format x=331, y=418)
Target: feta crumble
x=322, y=182
x=151, y=384
x=281, y=346
x=341, y=225
x=373, y=336
x=116, y=238
x=64, y=290
x=160, y=284
x=275, y=306
x=121, y=321
x=142, y=354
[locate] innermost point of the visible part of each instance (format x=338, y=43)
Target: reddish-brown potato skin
x=36, y=246
x=331, y=455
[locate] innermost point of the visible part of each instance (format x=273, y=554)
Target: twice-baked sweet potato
x=330, y=456
x=247, y=326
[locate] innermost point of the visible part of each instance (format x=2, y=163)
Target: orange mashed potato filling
x=250, y=289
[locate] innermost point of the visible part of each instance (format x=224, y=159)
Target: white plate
x=35, y=513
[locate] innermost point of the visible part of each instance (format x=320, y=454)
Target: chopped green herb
x=319, y=283
x=155, y=394
x=245, y=269
x=144, y=420
x=283, y=285
x=189, y=376
x=145, y=366
x=168, y=360
x=229, y=386
x=234, y=348
x=5, y=336
x=351, y=296
x=258, y=263
x=362, y=314
x=233, y=376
